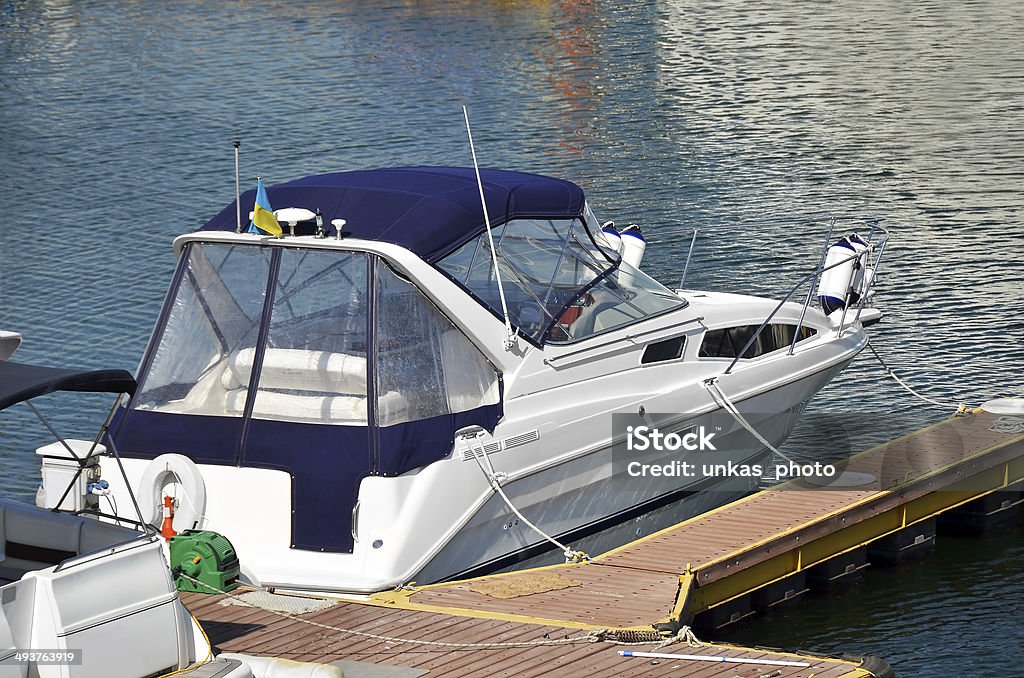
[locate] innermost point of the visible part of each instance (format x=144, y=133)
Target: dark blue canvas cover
x=428, y=210
x=20, y=382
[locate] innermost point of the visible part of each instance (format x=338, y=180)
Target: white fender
x=862, y=275
x=165, y=470
x=609, y=236
x=863, y=283
x=633, y=245
x=834, y=285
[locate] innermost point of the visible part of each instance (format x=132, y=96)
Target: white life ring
x=165, y=470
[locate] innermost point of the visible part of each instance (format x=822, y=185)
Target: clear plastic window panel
x=425, y=366
x=545, y=265
x=215, y=315
x=315, y=364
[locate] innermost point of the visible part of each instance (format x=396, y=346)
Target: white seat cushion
x=299, y=370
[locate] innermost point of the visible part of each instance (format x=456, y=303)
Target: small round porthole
x=377, y=543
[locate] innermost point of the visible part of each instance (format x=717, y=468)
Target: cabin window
x=728, y=342
x=314, y=367
x=660, y=351
x=332, y=330
x=425, y=366
x=559, y=285
x=215, y=314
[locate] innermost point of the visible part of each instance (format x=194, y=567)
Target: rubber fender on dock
x=275, y=667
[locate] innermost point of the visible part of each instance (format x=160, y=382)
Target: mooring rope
x=723, y=401
x=683, y=635
x=494, y=478
x=960, y=407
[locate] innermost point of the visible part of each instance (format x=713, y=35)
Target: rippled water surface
x=751, y=121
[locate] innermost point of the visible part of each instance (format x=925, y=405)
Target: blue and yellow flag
x=263, y=219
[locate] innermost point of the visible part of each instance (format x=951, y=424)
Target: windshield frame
x=613, y=261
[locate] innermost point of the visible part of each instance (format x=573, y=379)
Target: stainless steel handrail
x=875, y=225
x=810, y=288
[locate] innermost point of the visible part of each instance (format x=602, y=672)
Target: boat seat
x=599, y=317
x=36, y=539
x=270, y=404
x=313, y=408
x=97, y=535
x=304, y=385
x=299, y=369
x=33, y=539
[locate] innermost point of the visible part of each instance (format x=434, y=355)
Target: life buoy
x=170, y=469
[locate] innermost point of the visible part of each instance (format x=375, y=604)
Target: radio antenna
x=686, y=268
x=510, y=333
x=238, y=191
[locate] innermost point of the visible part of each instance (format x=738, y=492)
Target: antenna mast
x=238, y=191
x=510, y=333
x=693, y=241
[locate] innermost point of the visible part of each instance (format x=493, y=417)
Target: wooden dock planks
x=247, y=630
x=671, y=574
x=794, y=518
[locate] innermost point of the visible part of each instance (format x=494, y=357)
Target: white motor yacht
x=406, y=387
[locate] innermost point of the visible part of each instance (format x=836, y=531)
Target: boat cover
x=428, y=210
x=19, y=382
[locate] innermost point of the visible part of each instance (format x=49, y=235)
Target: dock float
x=708, y=571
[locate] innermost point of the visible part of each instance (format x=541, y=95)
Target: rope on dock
x=959, y=407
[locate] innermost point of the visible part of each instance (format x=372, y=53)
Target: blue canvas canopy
x=428, y=210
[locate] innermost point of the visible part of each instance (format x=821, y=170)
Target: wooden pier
x=713, y=569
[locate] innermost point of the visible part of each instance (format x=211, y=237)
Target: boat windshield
x=560, y=284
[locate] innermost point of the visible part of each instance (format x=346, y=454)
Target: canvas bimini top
x=20, y=382
x=428, y=210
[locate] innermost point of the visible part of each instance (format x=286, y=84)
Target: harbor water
x=753, y=122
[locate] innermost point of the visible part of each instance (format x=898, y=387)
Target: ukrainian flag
x=263, y=219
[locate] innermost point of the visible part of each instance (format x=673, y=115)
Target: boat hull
x=593, y=504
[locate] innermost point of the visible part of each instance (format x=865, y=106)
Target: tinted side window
x=729, y=341
x=669, y=349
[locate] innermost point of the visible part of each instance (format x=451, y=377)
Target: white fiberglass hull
x=444, y=520
x=593, y=504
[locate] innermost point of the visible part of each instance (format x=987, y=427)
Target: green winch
x=205, y=556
